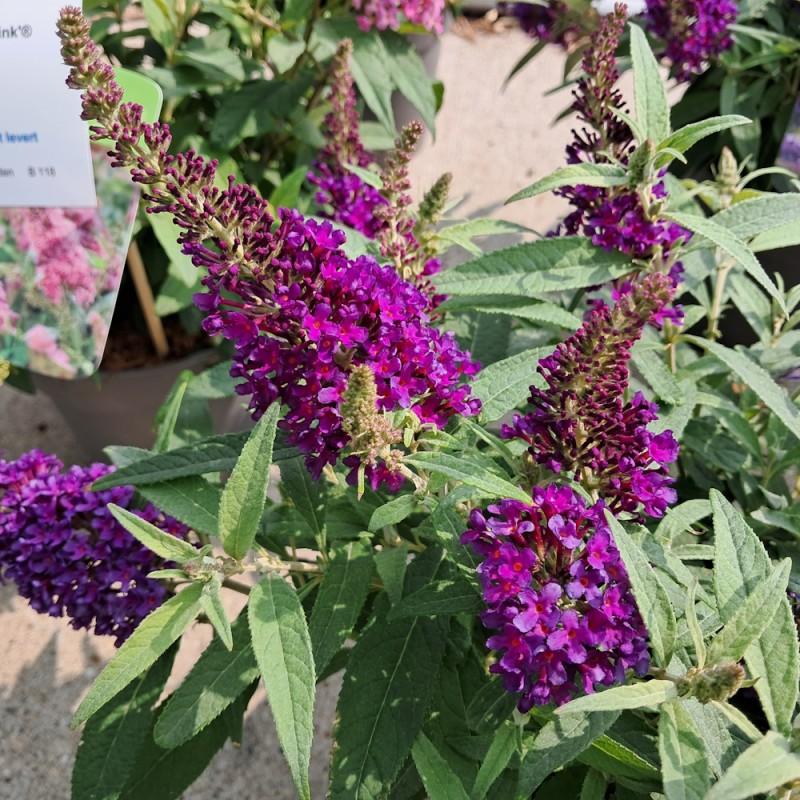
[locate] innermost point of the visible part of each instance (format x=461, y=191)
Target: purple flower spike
x=67, y=554
x=564, y=618
x=580, y=423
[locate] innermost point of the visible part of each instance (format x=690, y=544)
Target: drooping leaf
x=160, y=542
x=506, y=384
x=245, y=493
x=650, y=595
x=684, y=760
x=218, y=677
x=339, y=601
x=689, y=135
x=760, y=215
x=560, y=741
x=650, y=93
x=396, y=510
x=586, y=174
x=113, y=737
x=620, y=698
x=391, y=563
x=151, y=639
x=468, y=473
x=211, y=603
x=502, y=748
x=767, y=764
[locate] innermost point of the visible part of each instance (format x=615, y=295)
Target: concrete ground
x=494, y=141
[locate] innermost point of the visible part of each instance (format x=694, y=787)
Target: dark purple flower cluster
x=301, y=315
x=693, y=31
x=553, y=22
x=558, y=597
x=67, y=554
x=314, y=316
x=343, y=195
x=580, y=423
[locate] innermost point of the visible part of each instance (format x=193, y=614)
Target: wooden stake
x=147, y=301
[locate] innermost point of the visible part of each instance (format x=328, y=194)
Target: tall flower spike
x=343, y=195
x=67, y=554
x=300, y=314
x=620, y=218
x=558, y=597
x=580, y=424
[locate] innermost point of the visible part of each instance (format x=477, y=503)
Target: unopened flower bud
x=718, y=682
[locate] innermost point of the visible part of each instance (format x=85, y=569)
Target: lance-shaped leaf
x=440, y=598
x=502, y=748
x=560, y=741
x=751, y=619
x=340, y=598
x=245, y=493
x=758, y=215
x=741, y=565
x=471, y=474
x=160, y=542
x=506, y=384
x=394, y=511
x=211, y=603
x=282, y=647
x=151, y=639
x=764, y=766
x=575, y=174
x=689, y=135
x=650, y=594
x=218, y=677
x=620, y=698
x=440, y=782
x=731, y=245
x=684, y=759
x=309, y=497
x=113, y=737
x=192, y=500
x=650, y=94
x=391, y=563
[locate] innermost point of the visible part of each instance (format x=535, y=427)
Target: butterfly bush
x=300, y=314
x=390, y=14
x=65, y=551
x=557, y=596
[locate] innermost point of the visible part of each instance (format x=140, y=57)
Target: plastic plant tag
x=60, y=268
x=44, y=150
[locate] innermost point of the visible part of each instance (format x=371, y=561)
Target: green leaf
x=166, y=774
x=684, y=760
x=490, y=706
x=192, y=500
x=520, y=307
x=339, y=600
x=308, y=496
x=765, y=765
x=594, y=786
x=245, y=493
x=391, y=564
x=654, y=371
x=462, y=233
x=282, y=646
x=751, y=619
x=151, y=639
x=385, y=694
x=446, y=597
x=112, y=737
x=575, y=174
x=758, y=379
x=506, y=384
x=651, y=596
x=741, y=564
x=286, y=193
x=394, y=511
x=410, y=75
x=472, y=475
x=620, y=698
x=369, y=177
x=440, y=782
x=169, y=415
x=689, y=135
x=650, y=94
x=501, y=750
x=760, y=215
x=218, y=677
x=161, y=543
x=557, y=264
x=211, y=603
x=733, y=246
x=159, y=22
x=560, y=741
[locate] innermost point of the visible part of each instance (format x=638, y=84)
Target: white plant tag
x=44, y=147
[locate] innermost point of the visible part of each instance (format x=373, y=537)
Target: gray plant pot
x=118, y=407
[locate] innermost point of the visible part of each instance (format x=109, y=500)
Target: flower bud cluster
x=390, y=14
x=558, y=597
x=67, y=554
x=580, y=424
x=300, y=314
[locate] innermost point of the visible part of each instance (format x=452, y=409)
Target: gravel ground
x=495, y=142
